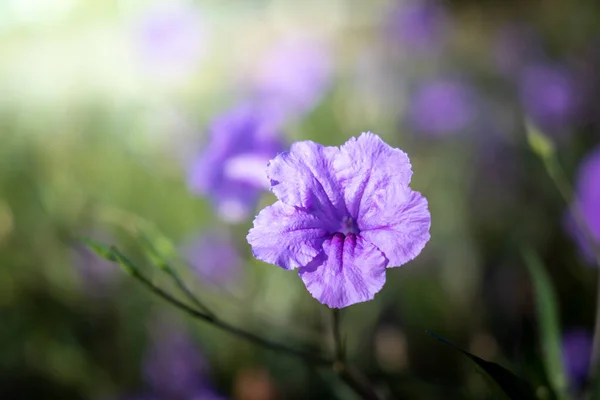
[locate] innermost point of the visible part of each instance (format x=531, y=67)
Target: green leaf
x=547, y=311
x=511, y=385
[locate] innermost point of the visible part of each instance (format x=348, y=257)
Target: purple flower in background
x=343, y=216
x=294, y=76
x=441, y=107
x=171, y=38
x=231, y=168
x=421, y=25
x=174, y=368
x=577, y=348
x=214, y=258
x=587, y=199
x=550, y=96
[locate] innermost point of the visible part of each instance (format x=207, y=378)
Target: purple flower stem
x=340, y=356
x=351, y=376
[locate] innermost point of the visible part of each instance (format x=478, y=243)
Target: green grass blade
x=549, y=326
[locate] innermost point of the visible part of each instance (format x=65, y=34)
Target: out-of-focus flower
x=587, y=199
x=174, y=368
x=254, y=384
x=214, y=259
x=441, y=107
x=551, y=96
x=577, y=348
x=231, y=168
x=171, y=38
x=420, y=25
x=344, y=215
x=294, y=76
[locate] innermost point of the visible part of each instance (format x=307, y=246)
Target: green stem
x=351, y=376
x=186, y=291
x=338, y=348
x=159, y=261
x=213, y=320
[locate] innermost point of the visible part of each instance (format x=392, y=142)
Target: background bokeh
x=109, y=115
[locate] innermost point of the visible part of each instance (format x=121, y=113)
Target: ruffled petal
x=352, y=271
x=368, y=164
x=397, y=221
x=286, y=236
x=303, y=178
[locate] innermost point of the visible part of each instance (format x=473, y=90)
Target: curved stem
x=213, y=320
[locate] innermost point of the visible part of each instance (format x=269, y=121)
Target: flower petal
x=352, y=272
x=367, y=164
x=397, y=221
x=286, y=236
x=302, y=178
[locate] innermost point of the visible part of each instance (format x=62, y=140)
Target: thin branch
x=351, y=376
x=159, y=261
x=213, y=320
x=338, y=349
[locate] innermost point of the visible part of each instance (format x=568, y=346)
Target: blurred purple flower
x=577, y=348
x=420, y=25
x=587, y=199
x=343, y=216
x=214, y=258
x=174, y=368
x=231, y=168
x=171, y=37
x=294, y=76
x=441, y=107
x=550, y=96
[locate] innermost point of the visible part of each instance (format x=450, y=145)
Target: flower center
x=348, y=226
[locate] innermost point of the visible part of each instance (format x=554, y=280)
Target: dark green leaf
x=513, y=387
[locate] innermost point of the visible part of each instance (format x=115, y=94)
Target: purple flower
x=174, y=368
x=231, y=168
x=171, y=38
x=587, y=199
x=550, y=96
x=422, y=25
x=344, y=215
x=441, y=107
x=577, y=347
x=294, y=76
x=214, y=258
